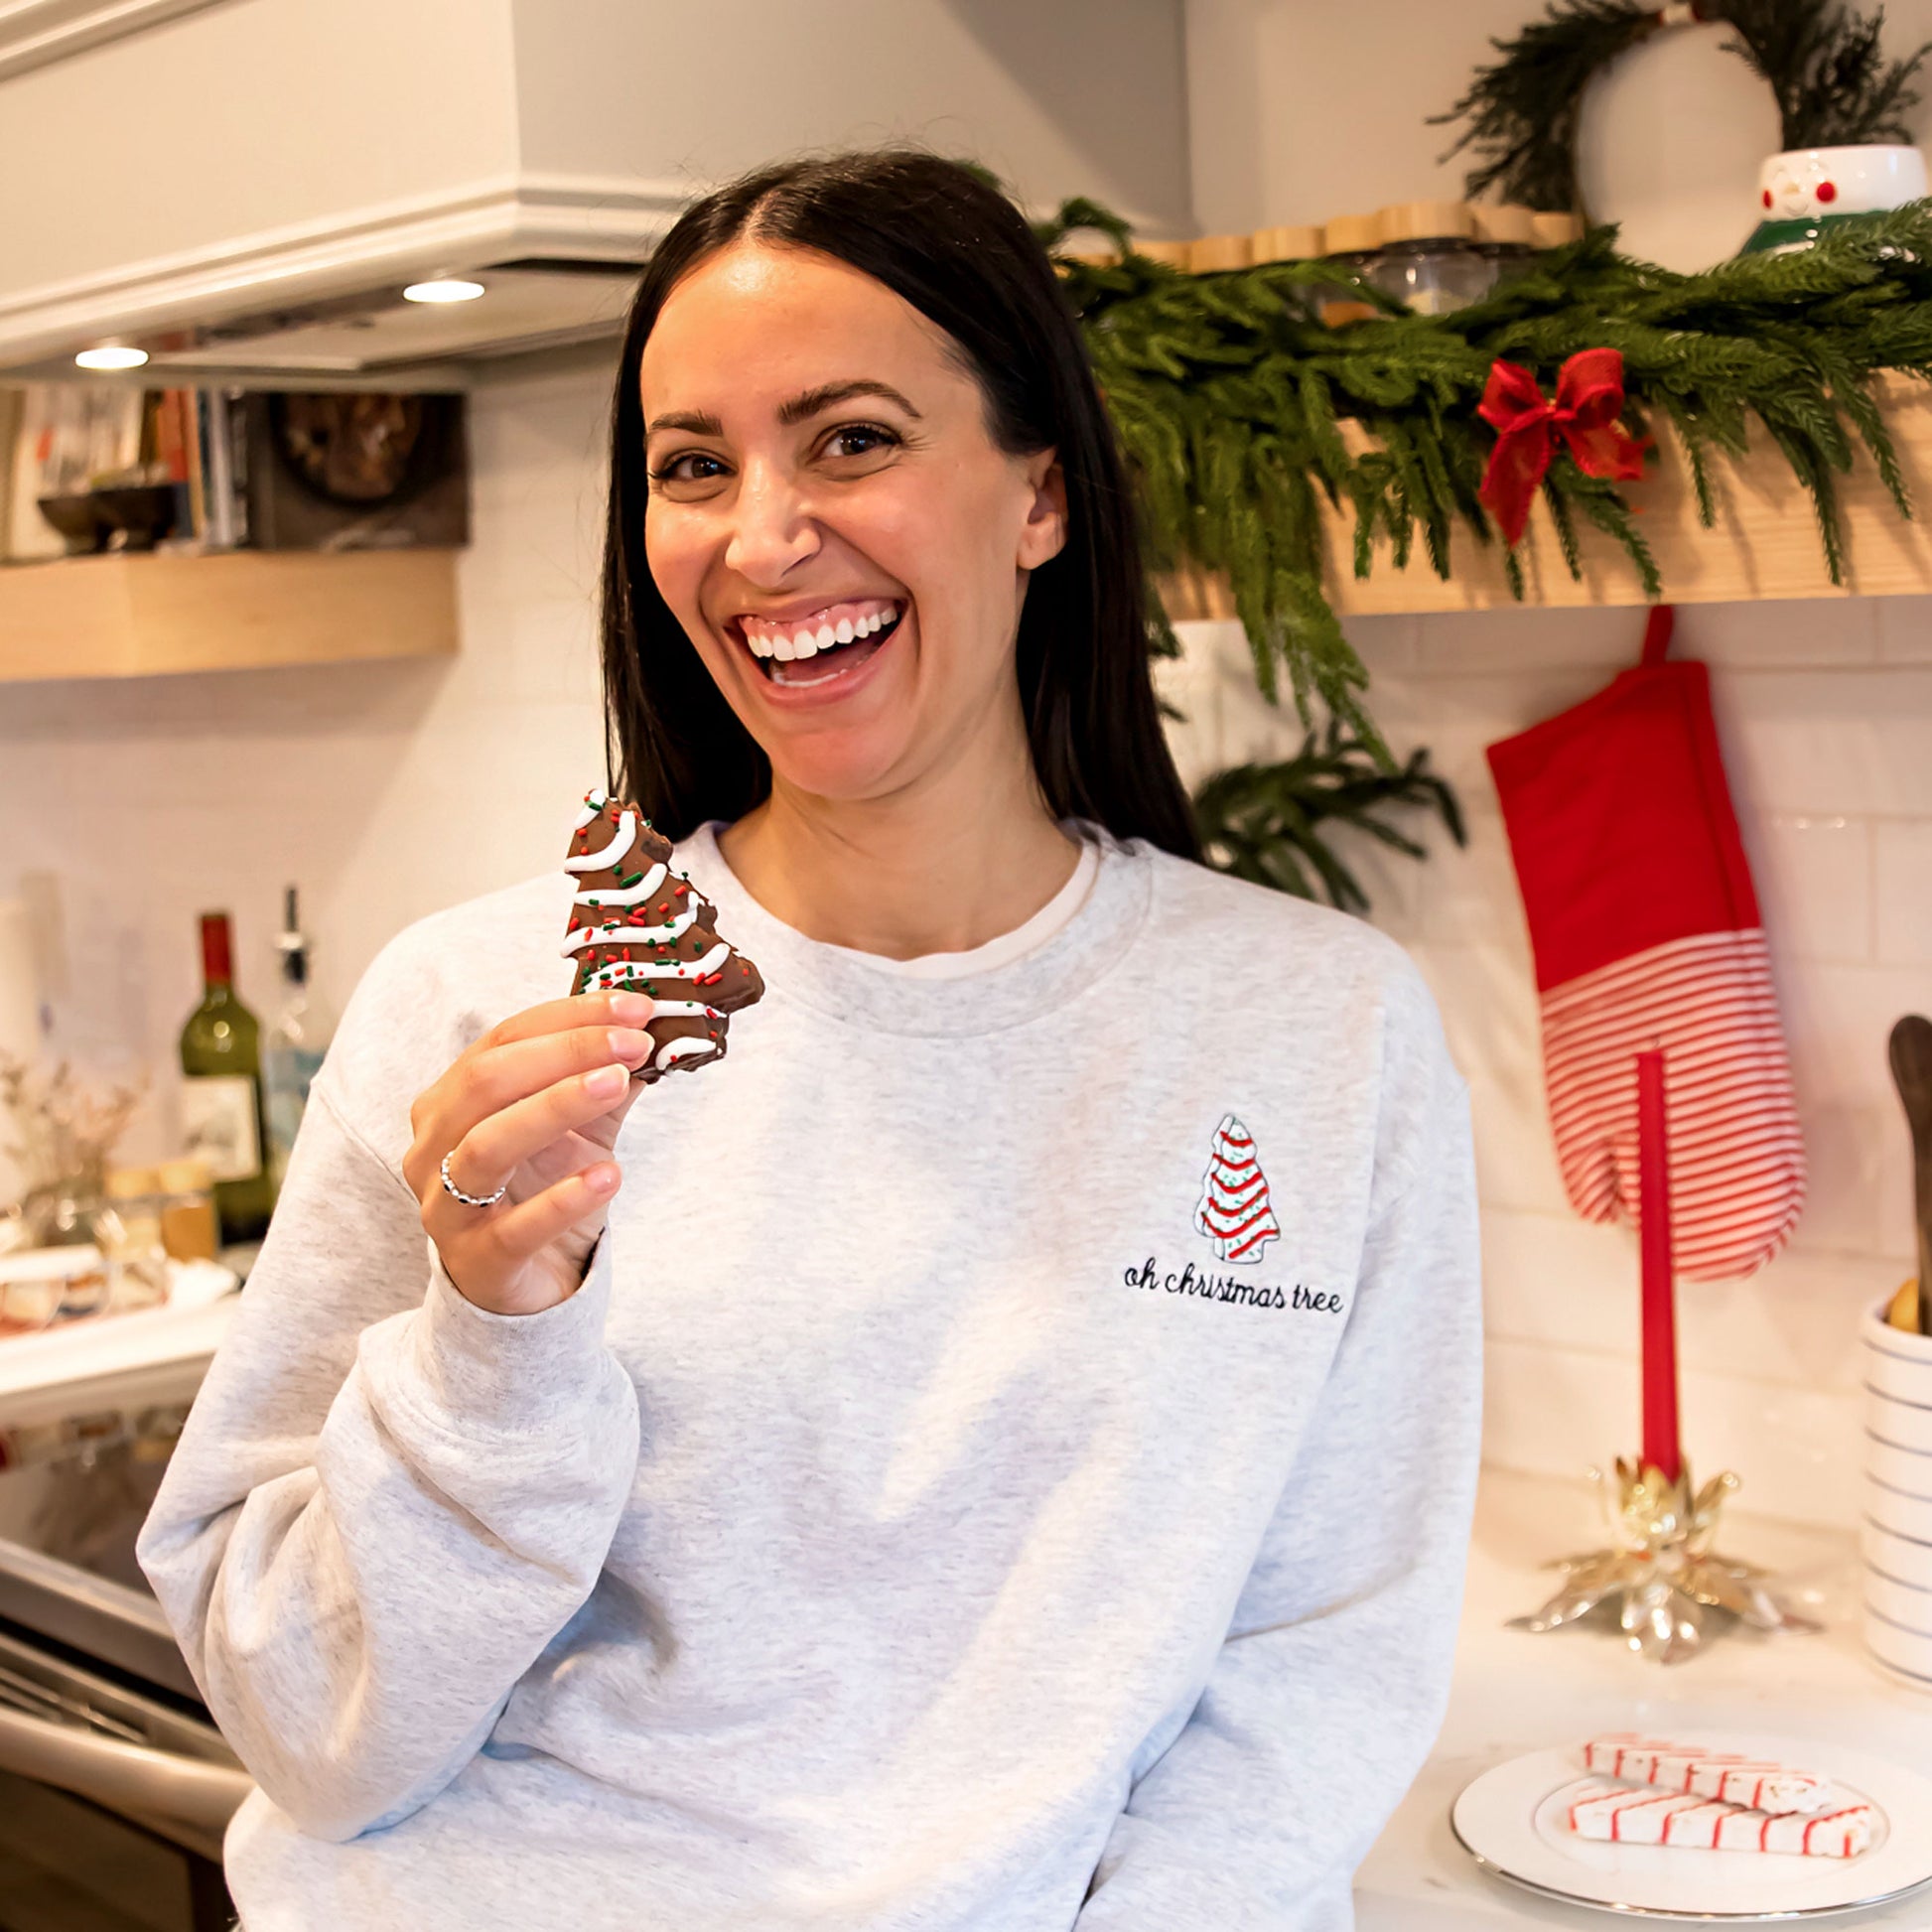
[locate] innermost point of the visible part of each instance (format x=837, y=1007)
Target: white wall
x=384, y=790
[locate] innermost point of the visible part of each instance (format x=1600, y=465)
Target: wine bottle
x=221, y=1092
x=298, y=1037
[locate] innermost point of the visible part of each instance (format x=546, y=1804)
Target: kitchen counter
x=1516, y=1692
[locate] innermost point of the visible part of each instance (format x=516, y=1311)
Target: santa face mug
x=1803, y=192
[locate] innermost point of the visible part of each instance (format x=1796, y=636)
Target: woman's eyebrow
x=701, y=422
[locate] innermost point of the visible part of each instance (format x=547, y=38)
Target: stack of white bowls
x=1897, y=1529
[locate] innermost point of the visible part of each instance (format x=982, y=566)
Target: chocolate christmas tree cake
x=639, y=925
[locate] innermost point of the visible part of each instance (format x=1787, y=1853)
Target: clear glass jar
x=1291, y=244
x=1429, y=258
x=129, y=1230
x=1506, y=234
x=188, y=1225
x=1349, y=241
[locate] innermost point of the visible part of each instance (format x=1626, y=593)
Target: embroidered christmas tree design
x=1234, y=1211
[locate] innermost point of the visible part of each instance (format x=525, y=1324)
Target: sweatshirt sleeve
x=386, y=1501
x=1329, y=1687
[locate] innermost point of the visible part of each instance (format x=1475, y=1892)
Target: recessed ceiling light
x=112, y=356
x=444, y=291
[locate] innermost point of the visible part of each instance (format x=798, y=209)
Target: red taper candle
x=1661, y=1446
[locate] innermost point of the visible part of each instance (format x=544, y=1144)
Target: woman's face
x=832, y=522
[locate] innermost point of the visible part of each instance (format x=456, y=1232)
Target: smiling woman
x=1002, y=1460
x=851, y=391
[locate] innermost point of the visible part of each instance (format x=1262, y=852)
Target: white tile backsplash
x=1814, y=875
x=387, y=790
x=1903, y=893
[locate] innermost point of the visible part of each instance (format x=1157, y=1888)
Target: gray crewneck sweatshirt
x=1008, y=1467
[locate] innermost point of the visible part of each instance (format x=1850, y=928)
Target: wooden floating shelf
x=141, y=615
x=1764, y=543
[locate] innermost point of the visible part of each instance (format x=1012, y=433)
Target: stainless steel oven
x=114, y=1784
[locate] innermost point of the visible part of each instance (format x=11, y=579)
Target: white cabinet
x=234, y=159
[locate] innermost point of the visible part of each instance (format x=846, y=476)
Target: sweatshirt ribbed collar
x=845, y=988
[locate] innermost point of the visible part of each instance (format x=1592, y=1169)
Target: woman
x=916, y=1498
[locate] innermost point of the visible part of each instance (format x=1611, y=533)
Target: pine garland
x=1230, y=396
x=1265, y=822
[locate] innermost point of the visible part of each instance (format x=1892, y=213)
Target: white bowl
x=1805, y=183
x=1900, y=1605
x=1904, y=1424
x=1896, y=1557
x=1903, y=1515
x=1909, y=1471
x=1895, y=1538
x=1897, y=1364
x=1905, y=1654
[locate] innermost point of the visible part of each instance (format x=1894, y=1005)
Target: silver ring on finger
x=469, y=1201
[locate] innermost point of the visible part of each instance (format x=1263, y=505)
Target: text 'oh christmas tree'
x=1234, y=1211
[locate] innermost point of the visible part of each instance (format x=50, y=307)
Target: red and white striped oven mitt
x=1646, y=934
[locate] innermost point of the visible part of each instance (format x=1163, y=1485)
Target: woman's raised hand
x=533, y=1108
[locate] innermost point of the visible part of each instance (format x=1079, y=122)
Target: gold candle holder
x=1661, y=1570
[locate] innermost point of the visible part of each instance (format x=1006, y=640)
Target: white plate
x=1514, y=1821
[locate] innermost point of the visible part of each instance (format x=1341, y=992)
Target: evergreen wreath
x=1823, y=61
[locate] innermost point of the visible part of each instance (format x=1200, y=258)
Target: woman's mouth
x=824, y=645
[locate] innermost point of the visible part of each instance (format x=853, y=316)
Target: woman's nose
x=772, y=525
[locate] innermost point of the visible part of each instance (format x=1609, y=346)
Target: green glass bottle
x=221, y=1092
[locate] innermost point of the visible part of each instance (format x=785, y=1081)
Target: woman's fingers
x=485, y=1080
x=499, y=1243
x=493, y=1149
x=619, y=1008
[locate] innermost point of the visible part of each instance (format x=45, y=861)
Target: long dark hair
x=941, y=237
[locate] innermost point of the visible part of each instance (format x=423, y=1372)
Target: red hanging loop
x=1656, y=634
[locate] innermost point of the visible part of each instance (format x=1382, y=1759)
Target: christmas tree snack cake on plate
x=638, y=925
x=1653, y=1792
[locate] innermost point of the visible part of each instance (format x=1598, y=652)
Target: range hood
x=244, y=188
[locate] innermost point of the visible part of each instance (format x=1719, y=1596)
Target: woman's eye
x=851, y=438
x=859, y=439
x=675, y=470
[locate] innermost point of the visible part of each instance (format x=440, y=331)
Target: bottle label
x=217, y=1124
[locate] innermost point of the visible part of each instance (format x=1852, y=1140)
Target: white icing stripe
x=606, y=935
x=594, y=804
x=624, y=894
x=680, y=1008
x=617, y=973
x=632, y=936
x=683, y=969
x=682, y=1048
x=619, y=843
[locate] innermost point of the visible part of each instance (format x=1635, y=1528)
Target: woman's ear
x=1044, y=534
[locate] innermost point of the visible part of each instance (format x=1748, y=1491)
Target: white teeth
x=789, y=647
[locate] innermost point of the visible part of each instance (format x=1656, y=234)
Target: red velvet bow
x=1589, y=399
